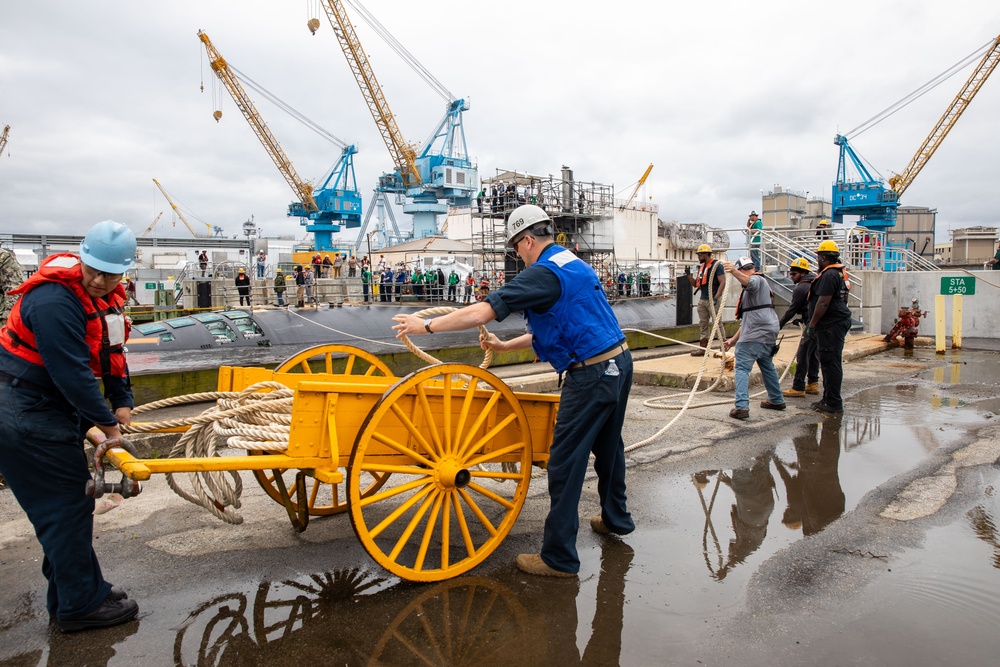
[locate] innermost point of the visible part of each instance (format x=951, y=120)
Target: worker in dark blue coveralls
x=572, y=327
x=67, y=332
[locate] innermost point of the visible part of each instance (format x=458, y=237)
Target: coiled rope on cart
x=255, y=419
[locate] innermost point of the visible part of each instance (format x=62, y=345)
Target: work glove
x=810, y=332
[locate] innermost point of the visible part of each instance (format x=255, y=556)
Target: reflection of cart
x=467, y=620
x=433, y=468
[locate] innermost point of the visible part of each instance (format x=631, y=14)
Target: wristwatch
x=427, y=326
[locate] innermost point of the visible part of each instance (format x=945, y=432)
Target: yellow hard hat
x=828, y=246
x=801, y=263
x=824, y=223
x=704, y=247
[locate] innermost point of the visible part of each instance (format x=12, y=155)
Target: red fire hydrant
x=907, y=323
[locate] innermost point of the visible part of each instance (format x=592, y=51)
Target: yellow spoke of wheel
x=463, y=415
x=429, y=414
x=470, y=548
x=484, y=413
x=401, y=510
x=477, y=511
x=466, y=446
x=428, y=532
x=402, y=449
x=496, y=475
x=498, y=499
x=395, y=491
x=432, y=451
x=432, y=497
x=446, y=530
x=490, y=457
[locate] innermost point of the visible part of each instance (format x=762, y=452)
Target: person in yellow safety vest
x=710, y=281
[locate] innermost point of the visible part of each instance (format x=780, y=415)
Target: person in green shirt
x=995, y=262
x=453, y=285
x=279, y=286
x=754, y=227
x=366, y=279
x=418, y=280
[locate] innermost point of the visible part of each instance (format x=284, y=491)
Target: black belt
x=18, y=382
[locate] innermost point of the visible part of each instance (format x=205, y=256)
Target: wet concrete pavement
x=793, y=538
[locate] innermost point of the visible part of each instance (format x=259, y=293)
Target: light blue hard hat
x=109, y=246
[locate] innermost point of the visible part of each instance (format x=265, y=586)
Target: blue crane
x=869, y=197
x=441, y=173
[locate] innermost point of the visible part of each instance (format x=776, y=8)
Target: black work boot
x=111, y=612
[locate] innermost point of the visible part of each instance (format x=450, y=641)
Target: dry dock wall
x=884, y=293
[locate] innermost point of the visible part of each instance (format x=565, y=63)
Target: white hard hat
x=743, y=263
x=524, y=217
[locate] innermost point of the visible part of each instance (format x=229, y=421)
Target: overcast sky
x=726, y=99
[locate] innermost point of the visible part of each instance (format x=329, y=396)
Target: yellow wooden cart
x=432, y=468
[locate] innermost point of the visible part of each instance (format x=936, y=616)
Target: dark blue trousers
x=42, y=459
x=591, y=413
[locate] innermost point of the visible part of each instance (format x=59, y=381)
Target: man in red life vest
x=67, y=332
x=710, y=281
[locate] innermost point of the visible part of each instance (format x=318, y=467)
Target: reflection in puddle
x=812, y=482
x=355, y=617
x=985, y=528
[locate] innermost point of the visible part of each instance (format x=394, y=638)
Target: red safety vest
x=704, y=273
x=107, y=326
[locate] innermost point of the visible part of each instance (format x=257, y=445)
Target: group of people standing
x=819, y=300
x=425, y=285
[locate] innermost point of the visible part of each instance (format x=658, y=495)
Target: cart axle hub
x=451, y=475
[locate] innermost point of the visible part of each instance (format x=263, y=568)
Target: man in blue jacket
x=66, y=332
x=572, y=327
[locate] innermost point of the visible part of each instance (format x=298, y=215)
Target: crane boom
x=901, y=181
x=303, y=190
x=3, y=137
x=178, y=211
x=638, y=185
x=152, y=224
x=403, y=155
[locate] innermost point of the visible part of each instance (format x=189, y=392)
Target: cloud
x=726, y=99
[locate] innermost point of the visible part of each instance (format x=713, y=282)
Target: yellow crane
x=638, y=185
x=181, y=215
x=899, y=182
x=152, y=224
x=403, y=154
x=302, y=189
x=3, y=138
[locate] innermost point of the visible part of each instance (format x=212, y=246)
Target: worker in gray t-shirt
x=755, y=339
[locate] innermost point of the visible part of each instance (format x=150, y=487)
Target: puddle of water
x=724, y=524
x=946, y=591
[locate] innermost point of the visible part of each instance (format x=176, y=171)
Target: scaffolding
x=582, y=218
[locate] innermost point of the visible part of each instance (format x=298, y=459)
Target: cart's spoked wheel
x=325, y=499
x=356, y=361
x=460, y=459
x=466, y=621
